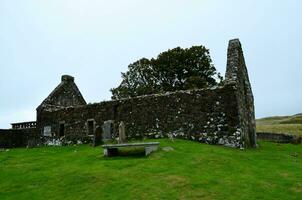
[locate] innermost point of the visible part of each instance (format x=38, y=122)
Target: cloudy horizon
x=96, y=40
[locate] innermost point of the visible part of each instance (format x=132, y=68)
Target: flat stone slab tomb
x=112, y=149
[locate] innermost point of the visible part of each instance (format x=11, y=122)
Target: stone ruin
x=219, y=115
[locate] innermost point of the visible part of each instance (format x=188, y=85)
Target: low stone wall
x=10, y=138
x=279, y=137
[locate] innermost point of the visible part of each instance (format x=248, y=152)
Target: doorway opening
x=90, y=127
x=62, y=130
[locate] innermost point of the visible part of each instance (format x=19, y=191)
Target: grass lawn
x=281, y=124
x=190, y=171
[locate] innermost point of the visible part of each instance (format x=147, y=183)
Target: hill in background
x=281, y=124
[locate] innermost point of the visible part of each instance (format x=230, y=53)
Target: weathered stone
x=122, y=133
x=168, y=149
x=97, y=137
x=18, y=137
x=107, y=130
x=64, y=95
x=112, y=149
x=279, y=137
x=236, y=73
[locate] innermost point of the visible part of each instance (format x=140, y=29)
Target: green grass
x=191, y=171
x=281, y=124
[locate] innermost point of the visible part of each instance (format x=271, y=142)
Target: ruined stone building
x=218, y=115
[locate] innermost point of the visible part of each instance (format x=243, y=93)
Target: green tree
x=172, y=70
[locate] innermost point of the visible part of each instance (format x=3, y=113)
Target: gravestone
x=97, y=137
x=107, y=130
x=47, y=131
x=121, y=133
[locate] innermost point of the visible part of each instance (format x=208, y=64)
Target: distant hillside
x=281, y=124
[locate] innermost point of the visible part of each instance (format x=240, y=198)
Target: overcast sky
x=96, y=40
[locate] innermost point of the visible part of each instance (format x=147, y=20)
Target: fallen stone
x=167, y=149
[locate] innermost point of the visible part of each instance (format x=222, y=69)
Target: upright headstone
x=97, y=139
x=121, y=133
x=107, y=130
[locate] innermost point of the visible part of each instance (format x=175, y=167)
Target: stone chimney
x=67, y=78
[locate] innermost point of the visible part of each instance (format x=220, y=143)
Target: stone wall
x=19, y=137
x=208, y=115
x=279, y=137
x=237, y=73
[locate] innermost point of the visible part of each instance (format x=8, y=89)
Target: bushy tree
x=172, y=70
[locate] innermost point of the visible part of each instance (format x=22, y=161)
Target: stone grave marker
x=107, y=130
x=97, y=137
x=121, y=133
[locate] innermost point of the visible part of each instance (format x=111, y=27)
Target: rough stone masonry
x=219, y=115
